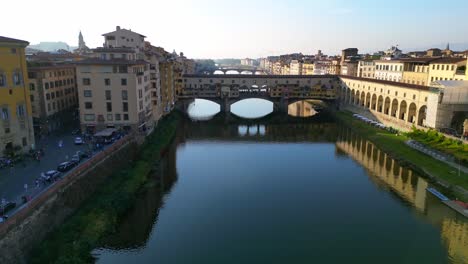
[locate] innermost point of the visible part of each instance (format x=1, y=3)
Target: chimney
x=118, y=28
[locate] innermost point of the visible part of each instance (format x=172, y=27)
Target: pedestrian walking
x=37, y=183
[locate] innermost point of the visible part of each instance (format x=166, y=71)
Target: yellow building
x=447, y=69
x=308, y=68
x=416, y=71
x=16, y=132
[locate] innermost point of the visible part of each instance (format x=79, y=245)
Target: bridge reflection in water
x=386, y=172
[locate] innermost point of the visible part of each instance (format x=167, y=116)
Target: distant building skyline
x=240, y=29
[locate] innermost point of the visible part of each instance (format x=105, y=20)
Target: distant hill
x=52, y=46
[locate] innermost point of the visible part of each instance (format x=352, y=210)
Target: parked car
x=83, y=154
x=52, y=175
x=79, y=141
x=76, y=158
x=6, y=207
x=66, y=166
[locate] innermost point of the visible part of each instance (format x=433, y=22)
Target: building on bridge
x=280, y=89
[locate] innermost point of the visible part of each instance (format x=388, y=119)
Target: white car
x=78, y=141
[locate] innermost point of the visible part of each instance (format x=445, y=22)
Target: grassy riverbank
x=395, y=146
x=99, y=216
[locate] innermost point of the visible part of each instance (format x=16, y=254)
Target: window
x=108, y=95
x=48, y=96
x=88, y=105
x=117, y=117
x=123, y=81
x=25, y=142
x=2, y=80
x=5, y=113
x=110, y=117
x=52, y=95
x=125, y=116
x=107, y=81
x=31, y=97
x=17, y=79
x=87, y=93
x=89, y=117
x=140, y=94
x=109, y=106
x=20, y=111
x=124, y=95
x=125, y=106
x=86, y=81
x=13, y=51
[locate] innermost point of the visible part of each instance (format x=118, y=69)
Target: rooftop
x=51, y=67
x=407, y=85
x=96, y=61
x=13, y=41
x=449, y=60
x=127, y=50
x=122, y=29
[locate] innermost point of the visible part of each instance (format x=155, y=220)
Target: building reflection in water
x=385, y=171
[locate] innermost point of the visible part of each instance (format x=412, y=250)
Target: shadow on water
x=136, y=226
x=393, y=180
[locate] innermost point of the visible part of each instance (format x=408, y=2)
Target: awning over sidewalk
x=106, y=132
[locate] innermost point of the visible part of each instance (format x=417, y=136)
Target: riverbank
x=394, y=145
x=99, y=216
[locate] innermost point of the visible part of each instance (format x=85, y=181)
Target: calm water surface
x=307, y=191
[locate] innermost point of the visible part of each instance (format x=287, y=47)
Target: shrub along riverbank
x=395, y=146
x=442, y=143
x=99, y=216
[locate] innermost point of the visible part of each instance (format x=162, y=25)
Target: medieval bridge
x=282, y=90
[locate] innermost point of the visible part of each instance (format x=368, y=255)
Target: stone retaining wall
x=46, y=212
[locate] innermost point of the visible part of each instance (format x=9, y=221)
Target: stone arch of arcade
x=401, y=103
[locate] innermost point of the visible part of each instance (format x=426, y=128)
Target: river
x=299, y=190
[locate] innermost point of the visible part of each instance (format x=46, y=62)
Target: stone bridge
x=240, y=70
x=281, y=90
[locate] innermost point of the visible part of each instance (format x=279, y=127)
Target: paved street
x=12, y=180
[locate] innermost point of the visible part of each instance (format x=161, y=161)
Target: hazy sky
x=244, y=28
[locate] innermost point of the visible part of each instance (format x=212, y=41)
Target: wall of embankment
x=31, y=224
